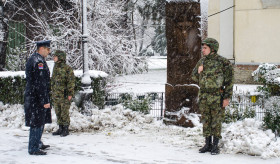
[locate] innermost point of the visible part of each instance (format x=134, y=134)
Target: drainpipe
x=234, y=28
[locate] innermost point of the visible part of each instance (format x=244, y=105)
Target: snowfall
x=119, y=135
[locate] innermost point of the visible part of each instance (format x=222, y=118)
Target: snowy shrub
x=98, y=95
x=12, y=89
x=138, y=103
x=269, y=76
x=233, y=113
x=262, y=70
x=272, y=116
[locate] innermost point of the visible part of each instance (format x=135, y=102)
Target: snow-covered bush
x=12, y=86
x=138, y=103
x=233, y=113
x=259, y=73
x=269, y=76
x=272, y=116
x=12, y=89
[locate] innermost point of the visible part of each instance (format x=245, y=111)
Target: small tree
x=269, y=76
x=272, y=115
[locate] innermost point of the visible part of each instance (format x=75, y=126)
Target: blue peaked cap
x=44, y=43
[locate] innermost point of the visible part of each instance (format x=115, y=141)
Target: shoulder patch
x=41, y=66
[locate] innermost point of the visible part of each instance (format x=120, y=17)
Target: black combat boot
x=59, y=130
x=65, y=131
x=208, y=145
x=215, y=149
x=43, y=147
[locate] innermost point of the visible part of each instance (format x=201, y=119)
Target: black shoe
x=65, y=131
x=208, y=145
x=215, y=149
x=43, y=147
x=40, y=152
x=58, y=132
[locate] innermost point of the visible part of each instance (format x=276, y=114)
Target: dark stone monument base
x=182, y=100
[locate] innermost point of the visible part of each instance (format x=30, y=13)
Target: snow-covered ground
x=123, y=136
x=118, y=135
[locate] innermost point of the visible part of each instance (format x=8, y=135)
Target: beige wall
x=256, y=31
x=214, y=21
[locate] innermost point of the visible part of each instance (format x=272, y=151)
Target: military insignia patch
x=41, y=66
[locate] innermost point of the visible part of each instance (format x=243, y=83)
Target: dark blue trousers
x=35, y=135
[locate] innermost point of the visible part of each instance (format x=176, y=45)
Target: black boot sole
x=38, y=153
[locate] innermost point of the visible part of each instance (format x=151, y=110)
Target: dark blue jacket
x=37, y=92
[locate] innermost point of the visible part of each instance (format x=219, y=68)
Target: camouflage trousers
x=212, y=115
x=62, y=107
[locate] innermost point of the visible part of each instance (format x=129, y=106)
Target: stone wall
x=243, y=74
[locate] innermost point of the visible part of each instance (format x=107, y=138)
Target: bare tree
x=110, y=44
x=3, y=35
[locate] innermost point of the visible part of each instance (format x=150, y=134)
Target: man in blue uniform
x=37, y=98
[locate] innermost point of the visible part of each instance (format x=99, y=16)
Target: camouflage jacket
x=217, y=75
x=62, y=81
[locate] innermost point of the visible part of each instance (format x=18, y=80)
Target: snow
x=157, y=62
x=248, y=137
x=78, y=73
x=120, y=135
x=277, y=80
x=152, y=81
x=246, y=89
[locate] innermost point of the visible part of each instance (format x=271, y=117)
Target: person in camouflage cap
x=214, y=75
x=62, y=86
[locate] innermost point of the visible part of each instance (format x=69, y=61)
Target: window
x=270, y=4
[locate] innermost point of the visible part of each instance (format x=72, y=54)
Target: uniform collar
x=212, y=55
x=40, y=56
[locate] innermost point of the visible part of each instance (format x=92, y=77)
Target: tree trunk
x=183, y=52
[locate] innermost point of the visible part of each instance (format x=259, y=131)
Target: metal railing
x=242, y=101
x=155, y=101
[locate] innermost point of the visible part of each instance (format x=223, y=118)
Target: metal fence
x=241, y=101
x=156, y=101
x=246, y=101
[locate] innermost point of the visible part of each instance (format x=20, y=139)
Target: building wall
x=257, y=33
x=256, y=30
x=214, y=21
x=250, y=32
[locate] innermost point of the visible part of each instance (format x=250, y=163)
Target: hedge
x=12, y=89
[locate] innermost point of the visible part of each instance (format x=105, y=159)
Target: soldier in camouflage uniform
x=214, y=75
x=62, y=86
